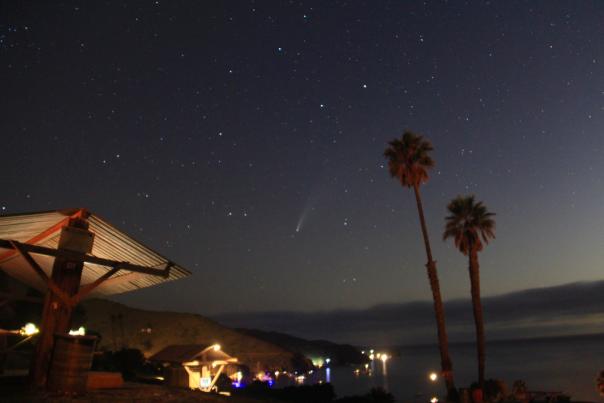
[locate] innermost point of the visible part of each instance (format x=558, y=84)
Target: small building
x=194, y=366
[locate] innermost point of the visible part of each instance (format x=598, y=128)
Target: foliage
x=469, y=224
x=128, y=361
x=408, y=159
x=495, y=390
x=300, y=363
x=600, y=383
x=519, y=390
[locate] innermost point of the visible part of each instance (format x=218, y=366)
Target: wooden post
x=66, y=274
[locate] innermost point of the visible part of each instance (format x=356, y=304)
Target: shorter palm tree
x=472, y=226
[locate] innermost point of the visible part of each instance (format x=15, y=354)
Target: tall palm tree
x=409, y=162
x=472, y=226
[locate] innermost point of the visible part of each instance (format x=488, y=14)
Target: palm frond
x=409, y=159
x=469, y=223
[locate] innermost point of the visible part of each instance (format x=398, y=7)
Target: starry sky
x=244, y=140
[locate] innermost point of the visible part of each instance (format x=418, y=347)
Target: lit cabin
x=195, y=366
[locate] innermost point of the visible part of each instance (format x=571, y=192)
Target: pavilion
x=70, y=255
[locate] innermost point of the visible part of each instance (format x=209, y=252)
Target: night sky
x=244, y=140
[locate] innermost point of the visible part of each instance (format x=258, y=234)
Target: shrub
x=519, y=390
x=600, y=383
x=495, y=390
x=128, y=361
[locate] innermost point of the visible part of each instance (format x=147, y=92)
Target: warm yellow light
x=434, y=400
x=29, y=330
x=216, y=347
x=276, y=373
x=78, y=332
x=433, y=376
x=384, y=357
x=371, y=356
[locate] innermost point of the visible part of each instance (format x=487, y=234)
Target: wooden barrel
x=70, y=363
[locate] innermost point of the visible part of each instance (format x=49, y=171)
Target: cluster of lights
x=237, y=381
x=373, y=355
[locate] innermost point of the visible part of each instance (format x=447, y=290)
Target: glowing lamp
x=81, y=331
x=433, y=376
x=29, y=330
x=434, y=400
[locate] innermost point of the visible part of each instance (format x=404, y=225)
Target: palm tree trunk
x=478, y=319
x=439, y=310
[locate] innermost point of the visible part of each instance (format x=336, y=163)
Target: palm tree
x=472, y=226
x=409, y=162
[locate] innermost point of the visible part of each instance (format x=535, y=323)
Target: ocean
x=567, y=364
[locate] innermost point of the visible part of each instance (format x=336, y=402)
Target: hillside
x=149, y=331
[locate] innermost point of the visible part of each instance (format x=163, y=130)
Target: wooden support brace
x=88, y=288
x=66, y=299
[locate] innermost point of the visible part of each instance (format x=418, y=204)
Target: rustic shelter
x=194, y=366
x=71, y=255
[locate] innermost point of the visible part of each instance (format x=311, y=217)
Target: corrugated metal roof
x=43, y=229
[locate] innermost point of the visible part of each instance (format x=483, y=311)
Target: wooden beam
x=88, y=288
x=42, y=250
x=120, y=279
x=66, y=299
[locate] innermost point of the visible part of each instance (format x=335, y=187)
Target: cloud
x=567, y=309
